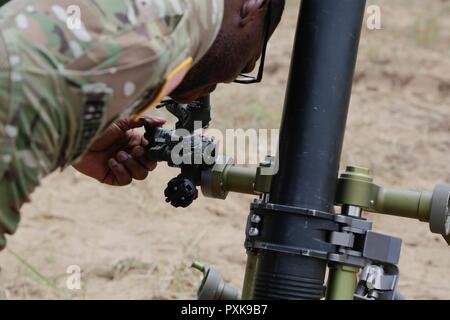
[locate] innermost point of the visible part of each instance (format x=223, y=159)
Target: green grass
x=42, y=279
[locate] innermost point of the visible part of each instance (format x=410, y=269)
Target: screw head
x=255, y=219
x=253, y=232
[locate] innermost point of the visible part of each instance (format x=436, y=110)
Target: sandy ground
x=130, y=244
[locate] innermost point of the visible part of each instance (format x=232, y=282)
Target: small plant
x=47, y=282
x=426, y=31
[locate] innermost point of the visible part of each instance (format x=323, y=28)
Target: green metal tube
x=402, y=203
x=249, y=276
x=356, y=188
x=239, y=179
x=342, y=282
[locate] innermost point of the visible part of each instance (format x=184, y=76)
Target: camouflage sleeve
x=63, y=80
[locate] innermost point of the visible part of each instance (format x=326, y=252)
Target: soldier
x=75, y=74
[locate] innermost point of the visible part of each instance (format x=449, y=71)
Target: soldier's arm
x=60, y=87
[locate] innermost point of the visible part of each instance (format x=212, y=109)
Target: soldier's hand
x=118, y=156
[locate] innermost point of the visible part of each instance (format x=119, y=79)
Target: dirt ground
x=130, y=244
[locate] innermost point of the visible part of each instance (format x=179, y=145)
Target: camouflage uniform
x=61, y=86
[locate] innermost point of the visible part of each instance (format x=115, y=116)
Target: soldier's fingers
x=121, y=174
x=153, y=121
x=144, y=142
x=136, y=170
x=138, y=153
x=135, y=138
x=131, y=123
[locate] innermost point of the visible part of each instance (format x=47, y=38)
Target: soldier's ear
x=249, y=10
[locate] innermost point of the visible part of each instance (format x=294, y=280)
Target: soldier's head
x=247, y=26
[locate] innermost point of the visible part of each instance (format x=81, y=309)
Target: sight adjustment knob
x=180, y=192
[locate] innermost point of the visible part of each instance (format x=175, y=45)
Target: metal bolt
x=360, y=170
x=352, y=211
x=198, y=265
x=265, y=164
x=255, y=218
x=253, y=232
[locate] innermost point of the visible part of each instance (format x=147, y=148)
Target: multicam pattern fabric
x=63, y=80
